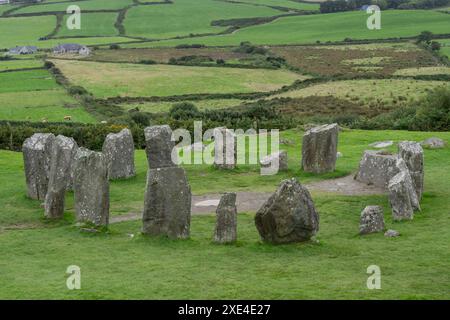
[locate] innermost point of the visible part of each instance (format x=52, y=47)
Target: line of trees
x=349, y=5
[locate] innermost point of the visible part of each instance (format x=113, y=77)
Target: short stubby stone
x=91, y=187
x=159, y=147
x=63, y=153
x=377, y=168
x=278, y=158
x=391, y=233
x=400, y=197
x=289, y=215
x=412, y=153
x=118, y=149
x=319, y=148
x=226, y=219
x=372, y=220
x=167, y=204
x=225, y=148
x=433, y=143
x=36, y=157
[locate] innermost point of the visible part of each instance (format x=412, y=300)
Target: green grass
x=84, y=5
x=92, y=24
x=187, y=17
x=36, y=253
x=327, y=27
x=445, y=47
x=113, y=79
x=284, y=3
x=20, y=64
x=52, y=105
x=33, y=80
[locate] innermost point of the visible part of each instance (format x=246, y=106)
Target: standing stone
x=167, y=204
x=225, y=149
x=400, y=197
x=63, y=153
x=91, y=187
x=226, y=219
x=319, y=148
x=412, y=153
x=282, y=157
x=288, y=215
x=118, y=149
x=415, y=202
x=377, y=168
x=159, y=146
x=36, y=157
x=372, y=220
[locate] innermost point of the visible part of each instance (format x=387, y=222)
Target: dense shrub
x=184, y=111
x=114, y=47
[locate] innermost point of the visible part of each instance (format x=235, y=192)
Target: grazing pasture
x=93, y=24
x=132, y=80
x=84, y=5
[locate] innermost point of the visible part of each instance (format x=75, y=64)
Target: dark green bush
x=183, y=111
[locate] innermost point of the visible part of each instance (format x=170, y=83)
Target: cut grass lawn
x=390, y=92
x=326, y=27
x=110, y=79
x=186, y=17
x=36, y=253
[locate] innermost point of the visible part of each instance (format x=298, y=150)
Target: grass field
x=20, y=64
x=93, y=24
x=413, y=266
x=445, y=49
x=84, y=5
x=285, y=4
x=326, y=27
x=423, y=71
x=165, y=80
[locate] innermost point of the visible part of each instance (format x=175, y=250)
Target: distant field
x=387, y=92
x=327, y=27
x=187, y=17
x=84, y=5
x=92, y=24
x=20, y=64
x=445, y=49
x=110, y=79
x=24, y=31
x=34, y=80
x=423, y=71
x=284, y=3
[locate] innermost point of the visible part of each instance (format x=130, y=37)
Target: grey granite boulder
x=433, y=143
x=118, y=149
x=167, y=204
x=372, y=220
x=281, y=157
x=226, y=219
x=412, y=153
x=36, y=157
x=91, y=187
x=400, y=196
x=319, y=149
x=391, y=233
x=63, y=154
x=288, y=215
x=377, y=168
x=402, y=167
x=159, y=146
x=225, y=148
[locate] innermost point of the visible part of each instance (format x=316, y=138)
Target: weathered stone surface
x=433, y=143
x=118, y=149
x=400, y=197
x=91, y=187
x=159, y=146
x=391, y=233
x=319, y=149
x=167, y=205
x=282, y=157
x=412, y=153
x=415, y=203
x=372, y=220
x=225, y=149
x=377, y=168
x=226, y=219
x=36, y=156
x=62, y=157
x=288, y=215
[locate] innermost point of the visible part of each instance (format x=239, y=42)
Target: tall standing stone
x=377, y=168
x=167, y=205
x=412, y=153
x=91, y=187
x=63, y=153
x=372, y=220
x=415, y=202
x=288, y=215
x=118, y=149
x=226, y=219
x=319, y=148
x=159, y=146
x=36, y=156
x=400, y=197
x=225, y=149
